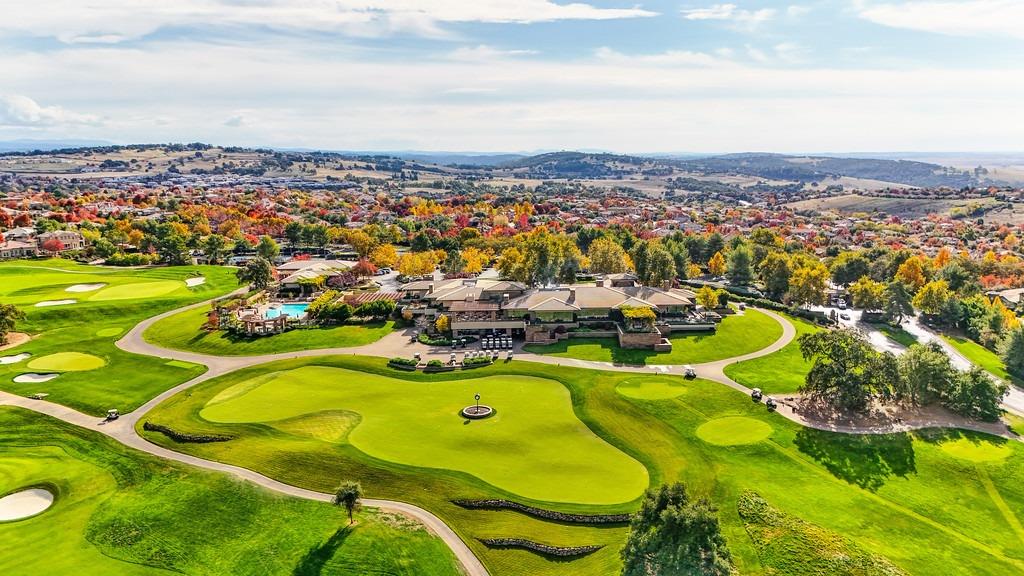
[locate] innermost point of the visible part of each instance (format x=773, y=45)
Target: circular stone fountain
x=477, y=411
x=24, y=504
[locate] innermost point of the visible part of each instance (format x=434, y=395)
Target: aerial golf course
x=792, y=500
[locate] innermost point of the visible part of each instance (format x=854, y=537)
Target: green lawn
x=982, y=357
x=896, y=334
x=118, y=511
x=779, y=373
x=183, y=331
x=934, y=502
x=736, y=335
x=78, y=339
x=510, y=450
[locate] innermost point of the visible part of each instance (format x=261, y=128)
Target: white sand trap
x=84, y=287
x=14, y=359
x=190, y=282
x=34, y=378
x=46, y=303
x=24, y=504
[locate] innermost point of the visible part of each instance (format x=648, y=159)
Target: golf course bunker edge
x=25, y=504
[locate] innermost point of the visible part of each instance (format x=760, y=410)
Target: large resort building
x=545, y=315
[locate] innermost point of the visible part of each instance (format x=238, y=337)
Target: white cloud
x=19, y=110
x=111, y=21
x=610, y=100
x=738, y=17
x=791, y=52
x=952, y=17
x=485, y=53
x=673, y=58
x=797, y=10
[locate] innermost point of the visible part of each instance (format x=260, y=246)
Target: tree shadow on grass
x=313, y=562
x=864, y=460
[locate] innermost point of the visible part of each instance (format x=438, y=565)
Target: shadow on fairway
x=864, y=460
x=312, y=564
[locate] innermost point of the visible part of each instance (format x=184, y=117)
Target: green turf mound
x=658, y=388
x=788, y=545
x=67, y=362
x=108, y=332
x=976, y=450
x=534, y=446
x=332, y=426
x=137, y=290
x=733, y=431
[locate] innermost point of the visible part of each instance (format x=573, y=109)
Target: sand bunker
x=24, y=504
x=191, y=282
x=14, y=359
x=84, y=287
x=46, y=303
x=34, y=378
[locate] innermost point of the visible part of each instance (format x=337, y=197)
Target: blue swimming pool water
x=292, y=310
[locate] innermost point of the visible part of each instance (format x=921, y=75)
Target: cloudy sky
x=519, y=75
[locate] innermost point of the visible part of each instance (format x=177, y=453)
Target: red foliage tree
x=364, y=268
x=53, y=245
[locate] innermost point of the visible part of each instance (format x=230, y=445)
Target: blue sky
x=519, y=75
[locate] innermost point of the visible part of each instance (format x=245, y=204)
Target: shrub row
x=475, y=362
x=182, y=437
x=407, y=364
x=498, y=504
x=425, y=338
x=541, y=548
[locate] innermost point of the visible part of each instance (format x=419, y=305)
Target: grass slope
x=118, y=511
x=899, y=496
x=982, y=357
x=511, y=450
x=736, y=335
x=789, y=545
x=91, y=326
x=183, y=331
x=779, y=373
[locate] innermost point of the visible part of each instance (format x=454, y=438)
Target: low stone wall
x=594, y=334
x=639, y=340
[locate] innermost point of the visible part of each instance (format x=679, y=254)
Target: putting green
x=733, y=431
x=67, y=362
x=652, y=388
x=137, y=290
x=976, y=450
x=107, y=332
x=534, y=446
x=332, y=426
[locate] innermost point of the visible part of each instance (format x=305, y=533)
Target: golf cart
x=689, y=372
x=113, y=414
x=756, y=394
x=771, y=404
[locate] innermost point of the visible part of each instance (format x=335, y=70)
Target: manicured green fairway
x=981, y=356
x=646, y=388
x=120, y=512
x=183, y=331
x=736, y=335
x=778, y=373
x=533, y=446
x=67, y=362
x=903, y=497
x=896, y=334
x=64, y=336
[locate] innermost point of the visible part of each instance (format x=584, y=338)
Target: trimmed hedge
x=476, y=362
x=183, y=437
x=538, y=547
x=441, y=341
x=498, y=504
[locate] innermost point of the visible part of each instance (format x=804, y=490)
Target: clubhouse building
x=604, y=308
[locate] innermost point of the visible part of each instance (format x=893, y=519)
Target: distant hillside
x=816, y=168
x=28, y=145
x=581, y=165
x=457, y=159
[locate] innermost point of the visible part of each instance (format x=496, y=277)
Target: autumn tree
x=707, y=297
x=606, y=257
x=911, y=273
x=716, y=264
x=809, y=285
x=384, y=255
x=868, y=294
x=931, y=299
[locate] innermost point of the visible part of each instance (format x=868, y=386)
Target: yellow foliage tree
x=716, y=265
x=911, y=273
x=384, y=255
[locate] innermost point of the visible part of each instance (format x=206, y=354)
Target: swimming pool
x=292, y=310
